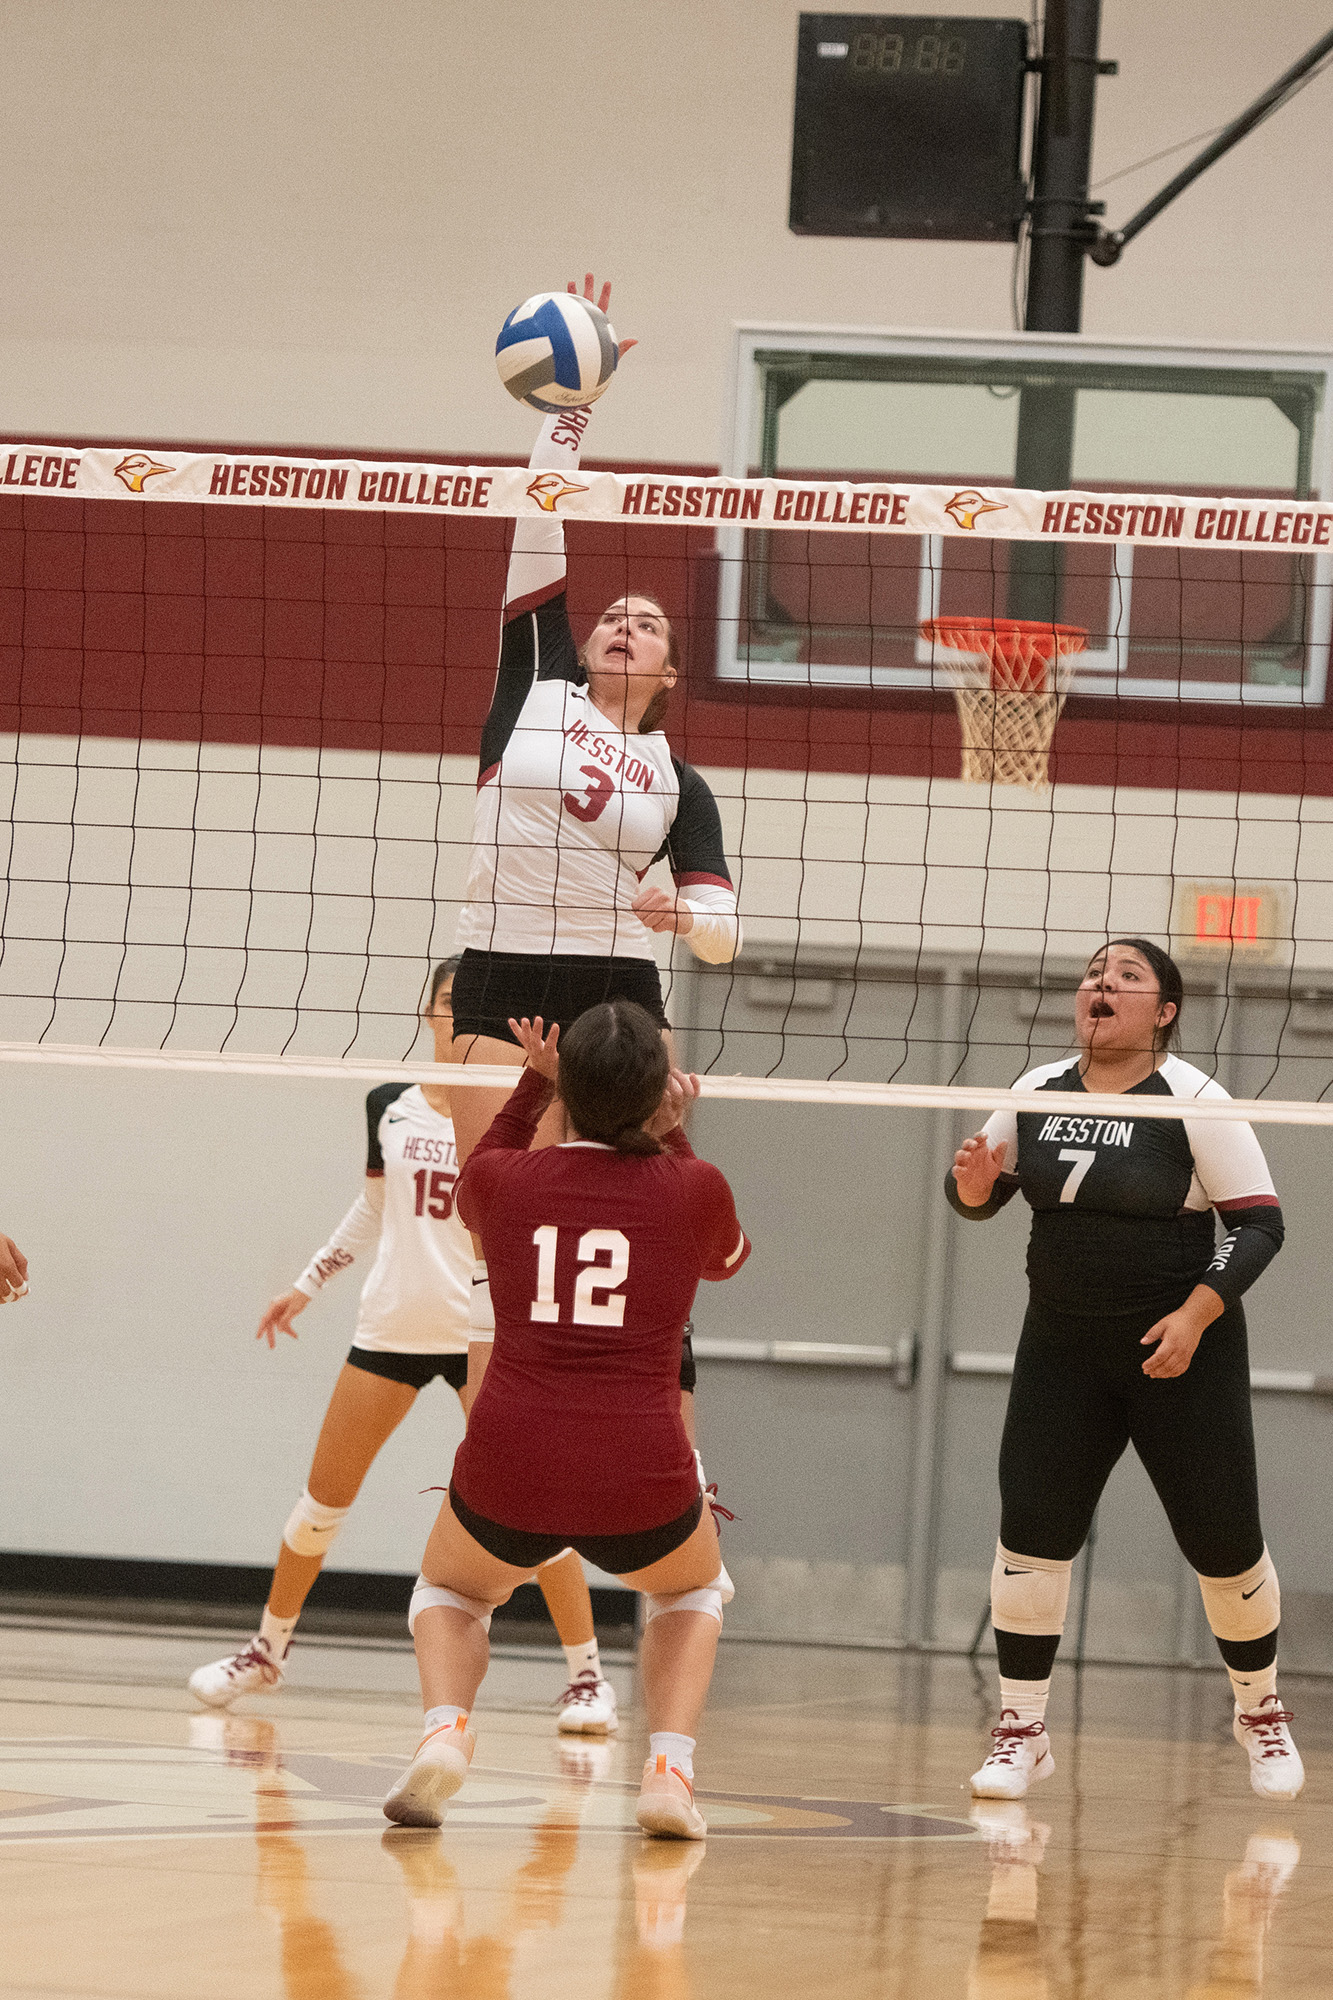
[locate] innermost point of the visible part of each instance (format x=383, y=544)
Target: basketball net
x=1010, y=677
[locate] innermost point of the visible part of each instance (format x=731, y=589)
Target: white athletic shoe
x=1276, y=1770
x=433, y=1776
x=666, y=1803
x=1021, y=1757
x=587, y=1707
x=251, y=1671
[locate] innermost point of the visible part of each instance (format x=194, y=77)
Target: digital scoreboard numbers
x=908, y=125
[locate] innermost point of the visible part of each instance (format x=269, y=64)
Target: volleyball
x=556, y=351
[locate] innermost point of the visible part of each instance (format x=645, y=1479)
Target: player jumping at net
x=597, y=1245
x=412, y=1326
x=579, y=795
x=1134, y=1334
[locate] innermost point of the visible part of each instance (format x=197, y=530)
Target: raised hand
x=682, y=1087
x=976, y=1168
x=539, y=1049
x=279, y=1314
x=602, y=302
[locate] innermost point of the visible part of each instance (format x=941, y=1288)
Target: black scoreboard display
x=908, y=125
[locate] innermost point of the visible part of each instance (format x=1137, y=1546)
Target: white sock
x=1027, y=1699
x=1253, y=1686
x=276, y=1633
x=678, y=1750
x=584, y=1660
x=442, y=1717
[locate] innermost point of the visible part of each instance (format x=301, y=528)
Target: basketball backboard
x=1220, y=625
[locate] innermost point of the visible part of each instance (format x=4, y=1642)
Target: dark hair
x=445, y=970
x=613, y=1071
x=1169, y=981
x=652, y=715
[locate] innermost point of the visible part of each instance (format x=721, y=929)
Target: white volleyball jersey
x=416, y=1299
x=571, y=812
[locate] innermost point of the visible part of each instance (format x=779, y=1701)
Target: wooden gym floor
x=150, y=1852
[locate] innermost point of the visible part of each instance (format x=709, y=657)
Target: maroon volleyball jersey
x=594, y=1258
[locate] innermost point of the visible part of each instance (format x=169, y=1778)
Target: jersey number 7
x=1082, y=1161
x=588, y=1310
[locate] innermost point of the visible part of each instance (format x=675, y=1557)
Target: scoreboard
x=908, y=125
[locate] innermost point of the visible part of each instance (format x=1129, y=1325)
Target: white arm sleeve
x=537, y=553
x=1001, y=1129
x=1229, y=1162
x=358, y=1232
x=715, y=935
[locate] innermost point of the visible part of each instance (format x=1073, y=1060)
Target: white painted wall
x=303, y=220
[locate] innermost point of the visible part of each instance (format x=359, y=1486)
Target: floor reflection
x=1012, y=1960
x=1250, y=1897
x=461, y=1943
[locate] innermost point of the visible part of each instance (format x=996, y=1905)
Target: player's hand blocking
x=540, y=1049
x=976, y=1168
x=681, y=1091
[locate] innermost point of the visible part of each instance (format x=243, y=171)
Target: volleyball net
x=242, y=695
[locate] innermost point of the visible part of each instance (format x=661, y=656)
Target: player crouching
x=595, y=1248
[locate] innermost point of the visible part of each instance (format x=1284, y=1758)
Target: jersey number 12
x=608, y=1277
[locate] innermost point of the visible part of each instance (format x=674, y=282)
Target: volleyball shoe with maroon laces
x=587, y=1707
x=433, y=1776
x=666, y=1803
x=251, y=1671
x=1021, y=1757
x=1276, y=1770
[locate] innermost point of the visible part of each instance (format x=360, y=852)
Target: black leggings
x=1079, y=1396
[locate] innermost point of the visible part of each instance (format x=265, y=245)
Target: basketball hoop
x=1009, y=677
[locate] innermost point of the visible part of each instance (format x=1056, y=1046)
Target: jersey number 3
x=600, y=790
x=608, y=1277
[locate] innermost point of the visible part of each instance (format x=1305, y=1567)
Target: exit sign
x=1231, y=920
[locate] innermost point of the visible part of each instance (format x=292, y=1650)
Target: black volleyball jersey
x=1122, y=1207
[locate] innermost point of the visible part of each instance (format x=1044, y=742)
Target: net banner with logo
x=826, y=507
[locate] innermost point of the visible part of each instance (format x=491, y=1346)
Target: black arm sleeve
x=377, y=1103
x=1253, y=1239
x=693, y=847
x=535, y=645
x=1004, y=1190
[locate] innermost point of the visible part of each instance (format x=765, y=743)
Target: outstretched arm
x=536, y=643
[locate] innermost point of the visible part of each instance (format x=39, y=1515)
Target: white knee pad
x=312, y=1528
x=1028, y=1593
x=427, y=1596
x=1243, y=1607
x=710, y=1599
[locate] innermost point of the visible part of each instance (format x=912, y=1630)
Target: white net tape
x=770, y=1090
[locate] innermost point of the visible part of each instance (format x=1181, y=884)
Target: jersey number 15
x=599, y=1277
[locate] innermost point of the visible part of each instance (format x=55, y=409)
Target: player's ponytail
x=613, y=1071
x=1170, y=984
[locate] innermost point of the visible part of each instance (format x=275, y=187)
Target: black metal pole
x=1109, y=244
x=1060, y=234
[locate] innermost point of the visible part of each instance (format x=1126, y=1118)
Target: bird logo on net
x=138, y=466
x=548, y=489
x=965, y=507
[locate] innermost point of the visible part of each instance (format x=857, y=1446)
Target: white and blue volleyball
x=556, y=351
